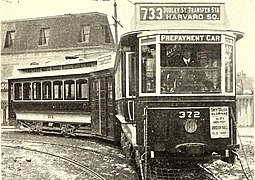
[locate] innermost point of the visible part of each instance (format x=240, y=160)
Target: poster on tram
x=219, y=122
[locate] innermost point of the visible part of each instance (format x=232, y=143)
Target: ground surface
x=105, y=159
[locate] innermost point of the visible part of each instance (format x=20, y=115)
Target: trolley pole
x=115, y=22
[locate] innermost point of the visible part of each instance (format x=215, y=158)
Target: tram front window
x=192, y=68
x=149, y=68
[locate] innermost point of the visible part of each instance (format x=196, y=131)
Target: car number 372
x=189, y=114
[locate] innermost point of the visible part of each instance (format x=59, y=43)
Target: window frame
x=44, y=37
x=9, y=39
x=80, y=89
x=84, y=35
x=145, y=40
x=70, y=90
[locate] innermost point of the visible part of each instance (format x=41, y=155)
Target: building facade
x=48, y=39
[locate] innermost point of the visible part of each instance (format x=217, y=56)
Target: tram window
x=132, y=73
x=118, y=81
x=57, y=90
x=46, y=90
x=201, y=73
x=36, y=89
x=82, y=89
x=26, y=91
x=110, y=89
x=228, y=68
x=148, y=68
x=17, y=91
x=69, y=90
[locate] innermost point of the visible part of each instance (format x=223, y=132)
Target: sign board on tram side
x=219, y=122
x=180, y=13
x=190, y=38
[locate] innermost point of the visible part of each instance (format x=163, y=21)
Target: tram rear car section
x=69, y=98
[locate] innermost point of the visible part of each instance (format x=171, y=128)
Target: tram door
x=102, y=108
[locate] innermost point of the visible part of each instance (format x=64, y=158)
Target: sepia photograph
x=127, y=89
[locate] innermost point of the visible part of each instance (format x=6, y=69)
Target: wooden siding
x=245, y=110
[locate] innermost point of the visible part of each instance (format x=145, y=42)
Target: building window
x=9, y=40
x=106, y=34
x=44, y=36
x=84, y=34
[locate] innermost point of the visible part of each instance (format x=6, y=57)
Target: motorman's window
x=26, y=91
x=36, y=89
x=57, y=90
x=46, y=90
x=148, y=68
x=17, y=91
x=69, y=90
x=82, y=89
x=190, y=68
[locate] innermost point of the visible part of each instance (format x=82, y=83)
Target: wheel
x=39, y=128
x=64, y=130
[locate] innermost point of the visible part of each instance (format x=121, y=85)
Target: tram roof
x=148, y=32
x=37, y=71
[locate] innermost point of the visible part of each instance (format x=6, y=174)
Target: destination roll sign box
x=175, y=15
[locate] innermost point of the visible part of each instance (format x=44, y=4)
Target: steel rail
x=81, y=166
x=209, y=172
x=58, y=144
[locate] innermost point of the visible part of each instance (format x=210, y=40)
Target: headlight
x=190, y=125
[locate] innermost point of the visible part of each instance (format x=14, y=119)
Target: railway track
x=57, y=144
x=77, y=164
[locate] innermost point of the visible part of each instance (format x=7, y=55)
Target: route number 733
x=189, y=114
x=151, y=13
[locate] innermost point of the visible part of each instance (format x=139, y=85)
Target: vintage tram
x=159, y=111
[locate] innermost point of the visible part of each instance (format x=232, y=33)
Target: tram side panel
x=55, y=114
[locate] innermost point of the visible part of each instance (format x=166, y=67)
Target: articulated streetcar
x=167, y=95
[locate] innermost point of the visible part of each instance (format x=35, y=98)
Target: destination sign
x=180, y=13
x=190, y=38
